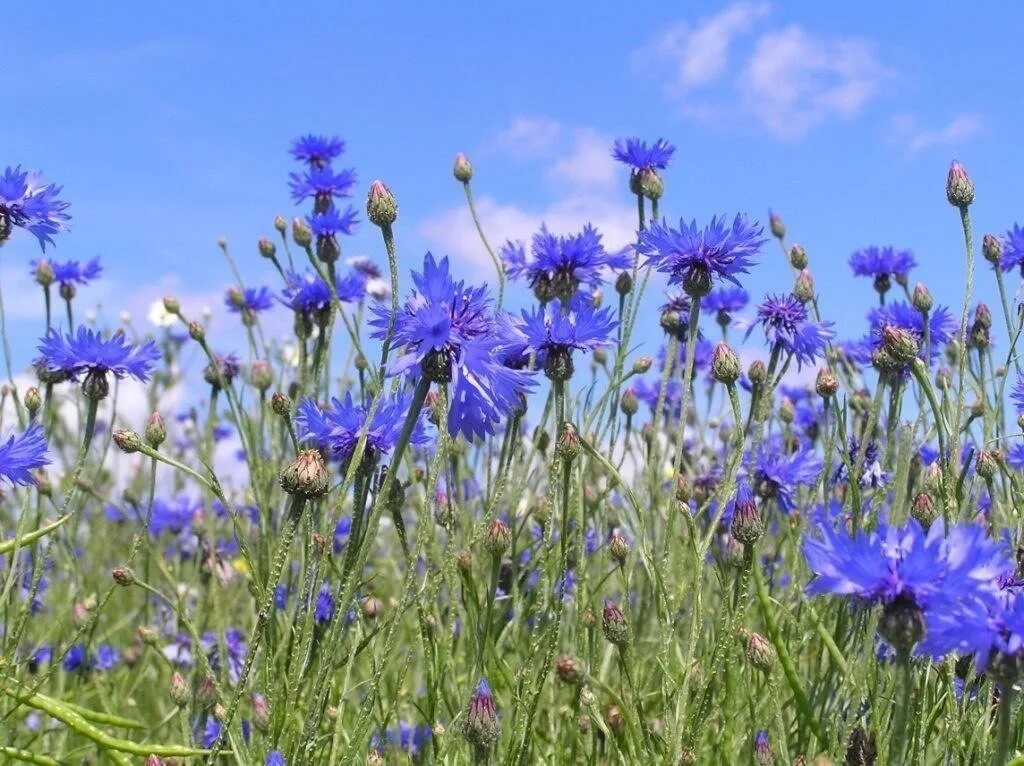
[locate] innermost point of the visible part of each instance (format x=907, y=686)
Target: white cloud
x=529, y=136
x=700, y=54
x=588, y=163
x=959, y=129
x=789, y=80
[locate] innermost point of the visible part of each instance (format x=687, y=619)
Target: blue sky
x=168, y=126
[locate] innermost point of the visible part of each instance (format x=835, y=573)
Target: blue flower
x=251, y=299
x=696, y=257
x=942, y=325
x=447, y=332
x=1013, y=249
x=23, y=453
x=553, y=332
x=879, y=262
x=725, y=301
x=26, y=202
x=309, y=294
x=317, y=150
x=88, y=352
x=174, y=515
x=988, y=622
x=107, y=657
x=872, y=474
x=211, y=732
x=777, y=474
x=342, y=532
x=559, y=266
x=76, y=659
x=338, y=429
x=72, y=272
x=323, y=610
x=1017, y=394
x=332, y=222
x=786, y=322
x=639, y=156
x=275, y=758
x=323, y=184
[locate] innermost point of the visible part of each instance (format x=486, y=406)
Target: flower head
x=1013, y=249
x=27, y=202
x=882, y=264
x=553, y=333
x=724, y=302
x=777, y=474
x=87, y=352
x=252, y=300
x=786, y=322
x=695, y=258
x=72, y=272
x=338, y=429
x=942, y=326
x=481, y=726
x=639, y=156
x=23, y=453
x=309, y=294
x=323, y=184
x=317, y=150
x=332, y=222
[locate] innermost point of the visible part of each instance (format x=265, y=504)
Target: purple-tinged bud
x=260, y=712
x=261, y=374
x=983, y=316
x=763, y=755
x=798, y=257
x=497, y=537
x=371, y=607
x=123, y=576
x=683, y=490
x=614, y=718
x=306, y=476
x=301, y=233
x=481, y=727
x=614, y=624
x=127, y=440
x=747, y=525
x=861, y=750
x=803, y=288
x=899, y=343
x=600, y=356
x=826, y=384
x=943, y=379
x=988, y=462
x=760, y=653
x=992, y=249
x=206, y=693
x=923, y=509
x=959, y=188
x=147, y=635
x=464, y=561
x=568, y=447
x=725, y=364
x=463, y=169
x=642, y=365
x=44, y=273
x=757, y=373
x=569, y=670
x=629, y=404
x=787, y=412
x=179, y=691
x=154, y=760
x=33, y=401
x=281, y=404
x=236, y=297
x=624, y=283
x=280, y=223
x=777, y=226
x=921, y=298
x=267, y=248
x=381, y=206
x=196, y=332
x=618, y=548
x=156, y=432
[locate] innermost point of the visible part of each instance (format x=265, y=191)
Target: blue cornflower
x=481, y=726
x=342, y=532
x=26, y=202
x=333, y=222
x=882, y=264
x=872, y=474
x=251, y=300
x=558, y=266
x=696, y=258
x=553, y=333
x=942, y=325
x=338, y=429
x=280, y=597
x=987, y=624
x=447, y=333
x=317, y=150
x=639, y=156
x=107, y=657
x=323, y=610
x=724, y=302
x=23, y=453
x=1013, y=249
x=174, y=515
x=776, y=474
x=76, y=659
x=323, y=184
x=1017, y=394
x=211, y=732
x=71, y=273
x=786, y=322
x=275, y=758
x=309, y=294
x=87, y=352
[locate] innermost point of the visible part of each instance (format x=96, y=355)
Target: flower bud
x=463, y=169
x=642, y=365
x=267, y=248
x=777, y=226
x=725, y=364
x=959, y=189
x=624, y=283
x=306, y=476
x=302, y=235
x=923, y=509
x=760, y=653
x=798, y=257
x=261, y=374
x=172, y=305
x=127, y=440
x=147, y=635
x=44, y=273
x=569, y=670
x=33, y=401
x=260, y=712
x=600, y=356
x=943, y=379
x=922, y=299
x=747, y=525
x=280, y=223
x=614, y=624
x=123, y=576
x=481, y=727
x=983, y=316
x=900, y=344
x=629, y=404
x=497, y=537
x=763, y=755
x=683, y=490
x=206, y=693
x=156, y=432
x=992, y=249
x=826, y=384
x=381, y=206
x=987, y=463
x=618, y=548
x=196, y=332
x=464, y=561
x=803, y=289
x=569, y=447
x=757, y=373
x=180, y=693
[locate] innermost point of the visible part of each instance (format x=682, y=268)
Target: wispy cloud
x=529, y=136
x=960, y=128
x=789, y=80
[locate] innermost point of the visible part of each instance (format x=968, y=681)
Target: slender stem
x=1007, y=698
x=498, y=265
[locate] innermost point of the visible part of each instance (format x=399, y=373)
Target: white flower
x=160, y=316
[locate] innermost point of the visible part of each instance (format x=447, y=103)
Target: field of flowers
x=455, y=533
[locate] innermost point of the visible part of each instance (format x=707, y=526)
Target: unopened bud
x=281, y=224
x=44, y=273
x=180, y=693
x=306, y=476
x=624, y=283
x=123, y=576
x=569, y=670
x=992, y=249
x=463, y=169
x=923, y=509
x=900, y=344
x=959, y=188
x=725, y=364
x=798, y=257
x=261, y=374
x=614, y=624
x=172, y=305
x=826, y=384
x=206, y=693
x=156, y=432
x=629, y=404
x=642, y=365
x=988, y=463
x=301, y=233
x=196, y=331
x=127, y=440
x=760, y=653
x=777, y=226
x=33, y=401
x=618, y=547
x=267, y=248
x=757, y=373
x=803, y=288
x=922, y=298
x=381, y=206
x=281, y=404
x=497, y=537
x=569, y=447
